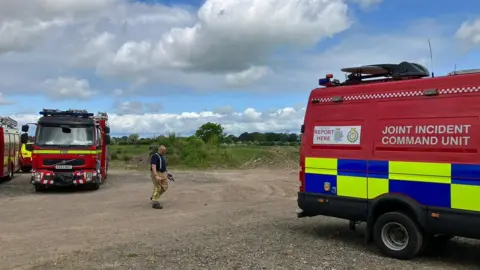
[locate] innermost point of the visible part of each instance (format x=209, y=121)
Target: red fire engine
x=70, y=149
x=9, y=146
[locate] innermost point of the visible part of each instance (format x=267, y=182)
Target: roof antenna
x=431, y=57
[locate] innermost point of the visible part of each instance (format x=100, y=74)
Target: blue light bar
x=323, y=81
x=65, y=113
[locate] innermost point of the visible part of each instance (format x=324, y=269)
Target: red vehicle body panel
x=27, y=161
x=406, y=106
x=10, y=147
x=105, y=154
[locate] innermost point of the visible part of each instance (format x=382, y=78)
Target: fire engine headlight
x=37, y=176
x=88, y=176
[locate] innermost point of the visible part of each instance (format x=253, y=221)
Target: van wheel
x=397, y=236
x=435, y=240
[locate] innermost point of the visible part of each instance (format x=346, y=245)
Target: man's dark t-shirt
x=159, y=161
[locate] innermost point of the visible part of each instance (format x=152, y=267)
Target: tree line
x=213, y=133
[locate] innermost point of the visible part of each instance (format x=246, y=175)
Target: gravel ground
x=212, y=220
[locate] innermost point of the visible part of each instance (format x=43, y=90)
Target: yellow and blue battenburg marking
x=448, y=185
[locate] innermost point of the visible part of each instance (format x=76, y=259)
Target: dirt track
x=211, y=220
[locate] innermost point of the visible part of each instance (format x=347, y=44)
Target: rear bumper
x=312, y=204
x=301, y=213
x=62, y=179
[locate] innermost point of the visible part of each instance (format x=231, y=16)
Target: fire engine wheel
x=96, y=185
x=397, y=236
x=26, y=169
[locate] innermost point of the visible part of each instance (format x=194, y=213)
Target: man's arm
x=154, y=162
x=154, y=168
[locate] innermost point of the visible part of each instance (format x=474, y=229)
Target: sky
x=170, y=66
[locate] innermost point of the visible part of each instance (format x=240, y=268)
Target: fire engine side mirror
x=107, y=130
x=107, y=139
x=24, y=138
x=25, y=128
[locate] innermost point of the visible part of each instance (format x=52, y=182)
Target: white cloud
x=246, y=77
x=19, y=36
x=282, y=120
x=411, y=44
x=94, y=49
x=365, y=4
x=224, y=110
x=229, y=37
x=4, y=101
x=68, y=88
x=41, y=38
x=469, y=33
x=135, y=48
x=135, y=107
x=25, y=23
x=76, y=6
x=118, y=92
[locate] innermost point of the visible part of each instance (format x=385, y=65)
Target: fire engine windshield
x=64, y=136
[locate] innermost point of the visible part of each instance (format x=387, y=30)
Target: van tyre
x=435, y=240
x=397, y=236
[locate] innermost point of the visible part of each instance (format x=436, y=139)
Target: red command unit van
x=397, y=149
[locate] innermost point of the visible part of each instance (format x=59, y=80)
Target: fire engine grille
x=73, y=162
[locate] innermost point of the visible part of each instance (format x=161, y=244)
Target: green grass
x=193, y=153
x=129, y=149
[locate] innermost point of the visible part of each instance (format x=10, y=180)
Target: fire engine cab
x=70, y=149
x=397, y=149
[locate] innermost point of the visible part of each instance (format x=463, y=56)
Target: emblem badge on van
x=338, y=135
x=326, y=186
x=353, y=135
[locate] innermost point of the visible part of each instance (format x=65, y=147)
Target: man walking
x=159, y=176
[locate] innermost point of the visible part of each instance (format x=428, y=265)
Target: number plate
x=63, y=167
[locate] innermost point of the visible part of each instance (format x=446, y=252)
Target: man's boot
x=157, y=206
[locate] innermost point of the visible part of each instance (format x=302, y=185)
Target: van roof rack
x=404, y=70
x=465, y=71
